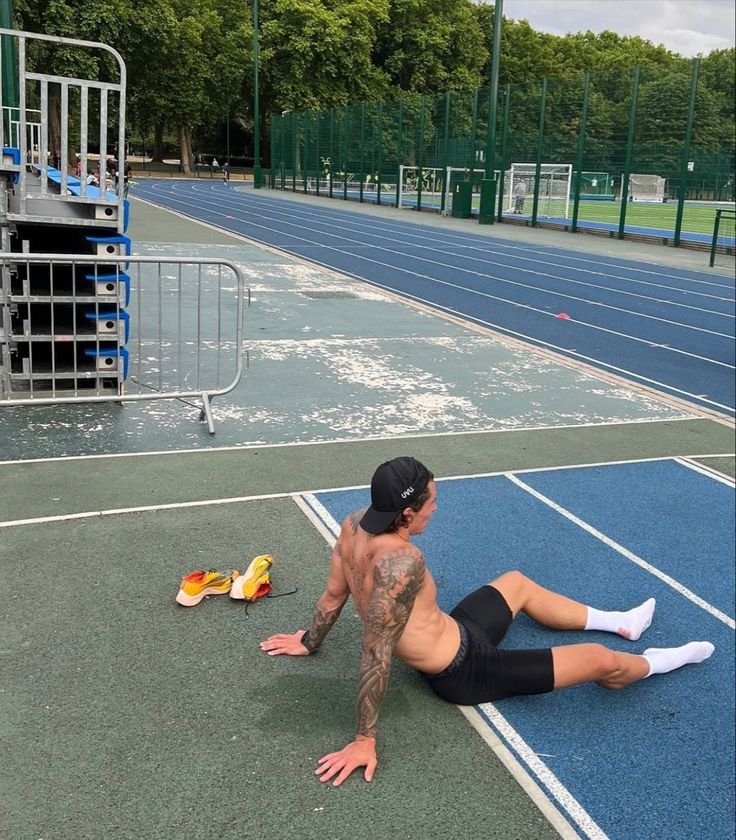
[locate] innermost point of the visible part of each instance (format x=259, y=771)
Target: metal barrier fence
x=645, y=152
x=115, y=329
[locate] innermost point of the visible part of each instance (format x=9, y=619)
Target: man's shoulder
x=352, y=520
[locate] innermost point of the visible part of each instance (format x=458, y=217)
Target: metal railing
x=83, y=329
x=86, y=108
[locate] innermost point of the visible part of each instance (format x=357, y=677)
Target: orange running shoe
x=255, y=581
x=199, y=584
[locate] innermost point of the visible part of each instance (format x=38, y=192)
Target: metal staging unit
x=59, y=336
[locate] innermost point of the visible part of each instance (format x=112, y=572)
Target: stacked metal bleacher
x=64, y=324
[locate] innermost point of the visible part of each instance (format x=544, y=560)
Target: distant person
x=92, y=180
x=225, y=172
x=519, y=197
x=215, y=164
x=459, y=653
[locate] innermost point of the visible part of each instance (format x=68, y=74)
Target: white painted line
x=309, y=494
x=378, y=439
x=629, y=555
x=519, y=772
x=708, y=471
x=304, y=506
x=324, y=515
x=90, y=514
x=576, y=811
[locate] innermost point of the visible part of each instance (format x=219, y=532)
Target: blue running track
x=657, y=759
x=669, y=328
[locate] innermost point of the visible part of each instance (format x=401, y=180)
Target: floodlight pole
x=488, y=187
x=256, y=110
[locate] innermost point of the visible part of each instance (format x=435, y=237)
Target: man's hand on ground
x=290, y=644
x=360, y=753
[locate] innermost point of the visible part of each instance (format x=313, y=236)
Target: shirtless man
x=374, y=561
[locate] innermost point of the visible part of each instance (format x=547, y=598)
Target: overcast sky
x=687, y=27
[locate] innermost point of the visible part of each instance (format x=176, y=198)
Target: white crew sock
x=629, y=624
x=664, y=660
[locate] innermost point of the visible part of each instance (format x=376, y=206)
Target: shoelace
x=280, y=595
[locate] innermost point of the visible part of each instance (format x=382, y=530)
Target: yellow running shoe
x=254, y=582
x=197, y=585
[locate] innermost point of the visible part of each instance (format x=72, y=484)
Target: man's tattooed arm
x=330, y=604
x=398, y=577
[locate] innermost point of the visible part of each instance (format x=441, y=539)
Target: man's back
x=430, y=638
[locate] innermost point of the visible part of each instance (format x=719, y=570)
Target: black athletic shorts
x=481, y=672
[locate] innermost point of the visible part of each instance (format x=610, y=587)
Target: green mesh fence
x=625, y=153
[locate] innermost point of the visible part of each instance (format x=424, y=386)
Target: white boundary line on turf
x=328, y=527
x=710, y=472
x=412, y=436
x=577, y=361
x=629, y=555
x=308, y=493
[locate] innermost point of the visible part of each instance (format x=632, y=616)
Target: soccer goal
x=554, y=188
x=457, y=174
x=432, y=184
x=647, y=188
x=596, y=186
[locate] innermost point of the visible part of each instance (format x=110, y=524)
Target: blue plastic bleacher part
x=74, y=185
x=112, y=315
x=121, y=277
x=15, y=155
x=117, y=239
x=121, y=352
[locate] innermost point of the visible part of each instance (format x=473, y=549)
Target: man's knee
x=604, y=663
x=510, y=580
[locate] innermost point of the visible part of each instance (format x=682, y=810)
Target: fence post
x=445, y=140
x=361, y=173
x=401, y=151
x=379, y=157
x=581, y=153
x=293, y=151
x=629, y=154
x=686, y=151
x=540, y=145
x=331, y=170
x=420, y=155
x=714, y=243
x=345, y=137
x=504, y=141
x=473, y=131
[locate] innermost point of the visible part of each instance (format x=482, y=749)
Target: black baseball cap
x=395, y=485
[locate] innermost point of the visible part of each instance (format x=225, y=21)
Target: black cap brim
x=376, y=521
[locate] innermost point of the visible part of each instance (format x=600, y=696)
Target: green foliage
x=190, y=66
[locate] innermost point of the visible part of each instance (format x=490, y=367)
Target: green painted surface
x=124, y=716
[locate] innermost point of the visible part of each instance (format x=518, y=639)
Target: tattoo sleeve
x=398, y=576
x=322, y=621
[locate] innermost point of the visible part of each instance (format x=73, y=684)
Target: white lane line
x=319, y=516
x=375, y=230
x=327, y=525
x=629, y=555
x=360, y=244
x=628, y=336
x=458, y=237
x=579, y=815
x=707, y=471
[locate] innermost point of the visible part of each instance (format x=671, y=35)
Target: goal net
x=647, y=188
x=596, y=186
x=554, y=189
x=431, y=180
